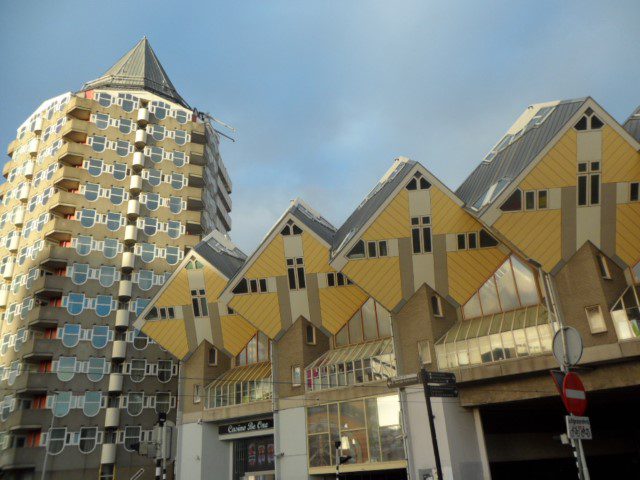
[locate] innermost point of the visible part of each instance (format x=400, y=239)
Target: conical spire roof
x=139, y=68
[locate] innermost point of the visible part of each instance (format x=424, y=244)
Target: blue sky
x=324, y=95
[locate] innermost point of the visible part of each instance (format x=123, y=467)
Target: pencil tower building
x=106, y=190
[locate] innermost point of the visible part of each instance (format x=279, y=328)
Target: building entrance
x=376, y=475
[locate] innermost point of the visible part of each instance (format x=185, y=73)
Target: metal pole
x=432, y=427
x=160, y=470
x=338, y=447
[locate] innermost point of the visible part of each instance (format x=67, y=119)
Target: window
x=291, y=229
x=88, y=439
x=197, y=393
x=122, y=147
x=418, y=182
x=295, y=273
x=357, y=251
x=165, y=369
x=140, y=340
x=100, y=336
x=180, y=137
x=542, y=199
x=179, y=159
x=213, y=356
x=138, y=369
x=462, y=241
x=107, y=275
x=175, y=204
x=296, y=376
x=152, y=201
x=119, y=171
x=337, y=279
x=75, y=303
x=177, y=180
x=127, y=101
x=371, y=322
x=94, y=167
x=114, y=221
x=174, y=229
x=83, y=245
x=131, y=437
x=61, y=404
x=104, y=304
x=604, y=267
x=87, y=218
x=589, y=183
x=92, y=403
x=634, y=191
x=70, y=335
x=56, y=440
x=311, y=335
x=95, y=369
x=199, y=303
x=145, y=279
x=424, y=352
x=436, y=306
x=589, y=121
x=421, y=234
x=486, y=240
x=596, y=319
x=172, y=255
x=110, y=247
x=530, y=200
x=163, y=402
x=135, y=403
x=98, y=143
x=117, y=195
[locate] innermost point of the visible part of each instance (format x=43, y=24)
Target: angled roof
x=312, y=219
x=511, y=160
x=218, y=250
x=372, y=202
x=632, y=125
x=139, y=68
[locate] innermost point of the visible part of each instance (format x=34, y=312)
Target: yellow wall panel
x=620, y=161
x=380, y=278
x=271, y=262
x=339, y=304
x=171, y=334
x=316, y=255
x=262, y=310
x=628, y=233
x=214, y=283
x=177, y=291
x=469, y=269
x=393, y=221
x=447, y=216
x=558, y=168
x=236, y=332
x=537, y=234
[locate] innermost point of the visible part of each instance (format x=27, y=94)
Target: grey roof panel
x=371, y=203
x=632, y=125
x=227, y=261
x=513, y=159
x=139, y=68
x=319, y=225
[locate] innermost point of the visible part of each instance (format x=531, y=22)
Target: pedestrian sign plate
x=578, y=428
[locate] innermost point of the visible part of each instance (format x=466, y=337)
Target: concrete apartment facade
x=107, y=189
x=303, y=333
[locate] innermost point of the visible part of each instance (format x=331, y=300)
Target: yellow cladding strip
x=628, y=233
x=214, y=283
x=177, y=293
x=339, y=304
x=393, y=222
x=171, y=334
x=537, y=234
x=447, y=217
x=620, y=161
x=316, y=255
x=271, y=262
x=468, y=270
x=236, y=333
x=558, y=168
x=379, y=277
x=262, y=310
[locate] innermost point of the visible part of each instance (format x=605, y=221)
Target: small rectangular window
x=604, y=267
x=436, y=306
x=582, y=190
x=371, y=248
x=426, y=239
x=424, y=352
x=415, y=239
x=634, y=191
x=263, y=285
x=462, y=241
x=530, y=200
x=296, y=376
x=542, y=199
x=473, y=240
x=382, y=247
x=331, y=279
x=197, y=395
x=311, y=335
x=595, y=189
x=254, y=286
x=213, y=356
x=596, y=319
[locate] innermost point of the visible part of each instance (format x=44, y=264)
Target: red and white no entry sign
x=574, y=395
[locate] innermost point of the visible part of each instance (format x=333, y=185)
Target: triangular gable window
x=589, y=121
x=291, y=229
x=418, y=182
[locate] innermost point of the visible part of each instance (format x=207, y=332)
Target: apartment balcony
x=198, y=135
x=122, y=318
x=108, y=454
x=124, y=290
x=17, y=459
x=18, y=216
x=28, y=420
x=75, y=130
x=73, y=153
x=69, y=178
x=133, y=209
x=28, y=168
x=14, y=243
x=223, y=194
x=119, y=351
x=193, y=225
x=37, y=125
x=36, y=349
x=115, y=382
x=32, y=146
x=143, y=116
x=23, y=193
x=4, y=296
x=138, y=159
x=224, y=218
x=59, y=229
x=7, y=272
x=112, y=417
x=196, y=180
x=12, y=147
x=63, y=203
x=32, y=383
x=135, y=184
x=128, y=261
x=196, y=153
x=79, y=108
x=51, y=286
x=130, y=234
x=43, y=317
x=141, y=138
x=53, y=257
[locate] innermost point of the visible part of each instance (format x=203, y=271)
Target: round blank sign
x=574, y=346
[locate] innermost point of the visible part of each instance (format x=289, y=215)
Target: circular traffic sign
x=574, y=395
x=573, y=353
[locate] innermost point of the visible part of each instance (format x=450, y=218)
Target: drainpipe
x=274, y=409
x=179, y=403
